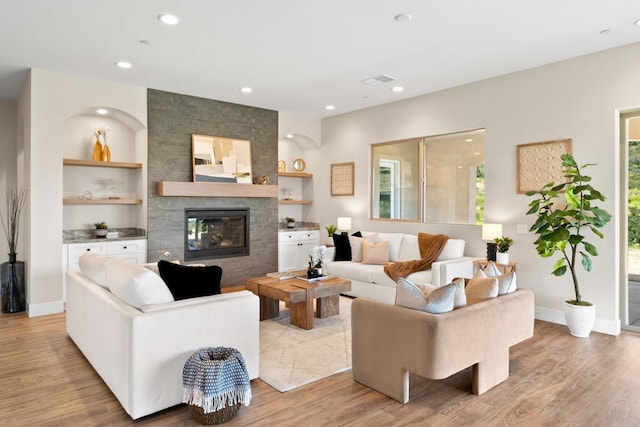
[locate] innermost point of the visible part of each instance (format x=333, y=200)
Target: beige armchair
x=389, y=341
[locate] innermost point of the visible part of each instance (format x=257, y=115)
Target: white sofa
x=371, y=282
x=140, y=352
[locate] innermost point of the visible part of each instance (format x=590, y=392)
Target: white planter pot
x=580, y=319
x=502, y=257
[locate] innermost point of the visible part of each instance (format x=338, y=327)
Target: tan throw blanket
x=430, y=246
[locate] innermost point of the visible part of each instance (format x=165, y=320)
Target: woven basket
x=217, y=417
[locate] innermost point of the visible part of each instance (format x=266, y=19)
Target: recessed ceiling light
x=102, y=111
x=605, y=31
x=477, y=153
x=397, y=89
x=403, y=17
x=290, y=135
x=636, y=22
x=245, y=89
x=123, y=64
x=329, y=107
x=469, y=140
x=459, y=167
x=168, y=19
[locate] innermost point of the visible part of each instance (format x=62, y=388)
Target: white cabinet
x=133, y=251
x=294, y=248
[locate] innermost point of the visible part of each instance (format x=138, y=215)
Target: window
x=431, y=179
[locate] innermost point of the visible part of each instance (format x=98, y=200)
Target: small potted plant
x=101, y=229
x=563, y=227
x=331, y=230
x=503, y=244
x=291, y=222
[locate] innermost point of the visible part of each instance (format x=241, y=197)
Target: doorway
x=630, y=135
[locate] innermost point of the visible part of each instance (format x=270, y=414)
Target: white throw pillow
x=506, y=282
x=136, y=285
x=454, y=248
x=356, y=248
x=395, y=242
x=429, y=298
x=93, y=266
x=492, y=270
x=481, y=287
x=461, y=294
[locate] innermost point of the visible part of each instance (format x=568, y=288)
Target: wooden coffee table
x=299, y=295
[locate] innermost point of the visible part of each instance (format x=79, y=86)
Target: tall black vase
x=12, y=285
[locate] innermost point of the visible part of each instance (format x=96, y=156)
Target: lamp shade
x=491, y=231
x=344, y=223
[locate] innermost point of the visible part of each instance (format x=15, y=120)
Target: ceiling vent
x=378, y=80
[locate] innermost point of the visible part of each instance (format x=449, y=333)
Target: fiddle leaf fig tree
x=563, y=226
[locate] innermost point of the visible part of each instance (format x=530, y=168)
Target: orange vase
x=106, y=153
x=97, y=151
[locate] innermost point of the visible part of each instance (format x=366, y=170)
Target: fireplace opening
x=216, y=233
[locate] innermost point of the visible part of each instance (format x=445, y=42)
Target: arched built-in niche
x=117, y=193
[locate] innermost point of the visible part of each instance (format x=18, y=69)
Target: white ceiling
x=300, y=55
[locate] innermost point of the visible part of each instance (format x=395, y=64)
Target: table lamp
x=490, y=232
x=344, y=224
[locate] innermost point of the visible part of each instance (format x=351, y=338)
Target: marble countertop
x=300, y=226
x=88, y=236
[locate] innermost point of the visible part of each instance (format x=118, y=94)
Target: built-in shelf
x=215, y=189
x=93, y=163
x=296, y=174
x=294, y=202
x=101, y=201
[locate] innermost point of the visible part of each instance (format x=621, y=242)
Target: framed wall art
x=539, y=163
x=219, y=159
x=342, y=179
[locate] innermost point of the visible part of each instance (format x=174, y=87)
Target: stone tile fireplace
x=172, y=118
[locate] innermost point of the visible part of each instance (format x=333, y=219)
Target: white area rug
x=291, y=357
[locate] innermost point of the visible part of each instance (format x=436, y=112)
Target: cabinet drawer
x=125, y=247
x=77, y=249
x=294, y=236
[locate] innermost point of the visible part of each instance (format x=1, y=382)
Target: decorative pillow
x=357, y=234
x=395, y=243
x=356, y=248
x=429, y=298
x=375, y=252
x=343, y=248
x=506, y=282
x=461, y=295
x=492, y=270
x=135, y=285
x=187, y=281
x=481, y=287
x=454, y=248
x=93, y=266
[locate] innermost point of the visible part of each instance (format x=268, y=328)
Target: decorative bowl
x=101, y=232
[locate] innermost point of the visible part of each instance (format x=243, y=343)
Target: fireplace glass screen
x=216, y=233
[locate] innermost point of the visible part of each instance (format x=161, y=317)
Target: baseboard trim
x=35, y=310
x=604, y=326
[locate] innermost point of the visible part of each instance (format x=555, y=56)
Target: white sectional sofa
x=371, y=282
x=140, y=351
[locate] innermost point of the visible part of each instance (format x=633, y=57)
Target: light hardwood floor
x=556, y=380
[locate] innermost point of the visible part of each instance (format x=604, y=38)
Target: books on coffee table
x=314, y=279
x=281, y=275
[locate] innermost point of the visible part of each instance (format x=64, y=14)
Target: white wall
x=577, y=98
x=8, y=137
x=46, y=101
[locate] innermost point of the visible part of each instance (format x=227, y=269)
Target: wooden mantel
x=215, y=189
